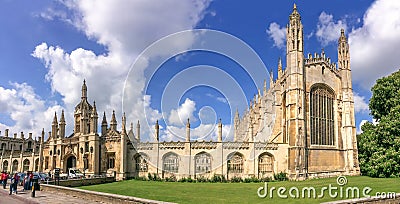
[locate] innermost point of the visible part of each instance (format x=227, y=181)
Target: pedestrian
x=30, y=181
x=4, y=178
x=14, y=184
x=26, y=181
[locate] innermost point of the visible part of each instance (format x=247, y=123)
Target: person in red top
x=4, y=178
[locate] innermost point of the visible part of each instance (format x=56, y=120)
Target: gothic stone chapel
x=303, y=125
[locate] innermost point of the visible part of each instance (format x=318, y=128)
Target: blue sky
x=49, y=47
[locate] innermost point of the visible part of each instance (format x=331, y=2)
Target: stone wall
x=373, y=199
x=83, y=182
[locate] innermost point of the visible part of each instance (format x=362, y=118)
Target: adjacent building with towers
x=303, y=124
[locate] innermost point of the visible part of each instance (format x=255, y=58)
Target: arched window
x=265, y=164
x=202, y=163
x=3, y=146
x=111, y=160
x=26, y=165
x=321, y=115
x=235, y=163
x=171, y=163
x=14, y=166
x=141, y=163
x=5, y=166
x=37, y=165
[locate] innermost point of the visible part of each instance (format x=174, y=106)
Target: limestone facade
x=303, y=125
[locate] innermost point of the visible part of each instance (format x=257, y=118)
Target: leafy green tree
x=385, y=95
x=379, y=145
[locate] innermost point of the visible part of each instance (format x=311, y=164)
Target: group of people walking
x=15, y=180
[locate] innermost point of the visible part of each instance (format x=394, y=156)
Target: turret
x=54, y=126
x=280, y=71
x=104, y=125
x=42, y=141
x=295, y=94
x=344, y=61
x=62, y=125
x=124, y=124
x=348, y=122
x=271, y=79
x=188, y=131
x=93, y=119
x=138, y=131
x=84, y=90
x=236, y=125
x=113, y=123
x=220, y=131
x=157, y=131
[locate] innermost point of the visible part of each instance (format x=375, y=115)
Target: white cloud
x=374, y=46
x=277, y=34
x=125, y=28
x=222, y=100
x=27, y=110
x=180, y=115
x=360, y=105
x=359, y=131
x=328, y=30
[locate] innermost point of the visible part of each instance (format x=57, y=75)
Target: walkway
x=24, y=197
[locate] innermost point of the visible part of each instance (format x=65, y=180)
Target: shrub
x=171, y=179
x=236, y=180
x=202, y=179
x=281, y=176
x=149, y=176
x=266, y=179
x=252, y=179
x=216, y=178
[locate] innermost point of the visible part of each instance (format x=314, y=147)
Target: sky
x=172, y=60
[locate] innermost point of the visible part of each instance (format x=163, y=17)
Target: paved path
x=42, y=197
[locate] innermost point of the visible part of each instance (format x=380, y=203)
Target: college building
x=303, y=124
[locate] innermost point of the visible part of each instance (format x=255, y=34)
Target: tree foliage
x=385, y=95
x=379, y=145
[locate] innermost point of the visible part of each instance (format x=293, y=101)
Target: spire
x=271, y=79
x=104, y=121
x=54, y=126
x=280, y=72
x=237, y=114
x=55, y=118
x=62, y=125
x=157, y=131
x=84, y=90
x=94, y=109
x=62, y=120
x=124, y=123
x=220, y=130
x=104, y=125
x=113, y=122
x=342, y=37
x=295, y=13
x=188, y=131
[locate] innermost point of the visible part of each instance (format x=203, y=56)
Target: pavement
x=41, y=197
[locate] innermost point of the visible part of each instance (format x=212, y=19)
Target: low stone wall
x=374, y=199
x=83, y=182
x=96, y=196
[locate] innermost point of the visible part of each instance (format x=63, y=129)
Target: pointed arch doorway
x=71, y=162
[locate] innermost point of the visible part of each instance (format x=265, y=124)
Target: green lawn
x=239, y=192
